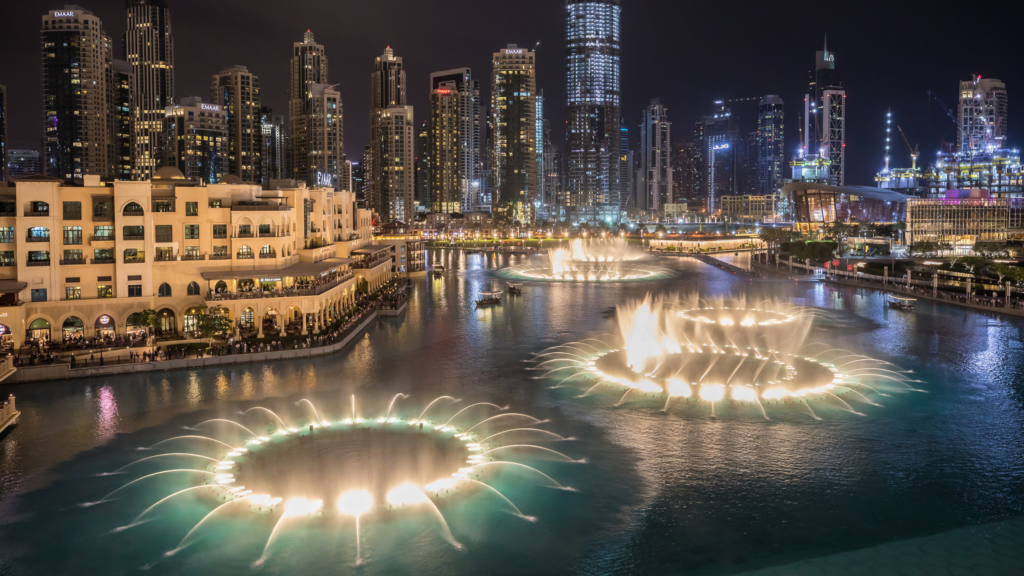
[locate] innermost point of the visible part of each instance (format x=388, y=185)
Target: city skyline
x=203, y=48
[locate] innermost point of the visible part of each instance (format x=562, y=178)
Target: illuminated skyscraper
x=825, y=116
x=460, y=93
x=195, y=140
x=656, y=155
x=149, y=48
x=274, y=146
x=390, y=160
x=423, y=166
x=770, y=145
x=983, y=111
x=314, y=114
x=237, y=92
x=3, y=132
x=513, y=140
x=717, y=138
x=593, y=114
x=77, y=78
x=122, y=120
x=444, y=149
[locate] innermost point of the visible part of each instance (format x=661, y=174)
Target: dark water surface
x=660, y=493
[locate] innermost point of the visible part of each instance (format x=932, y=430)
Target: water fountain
x=307, y=471
x=598, y=260
x=746, y=354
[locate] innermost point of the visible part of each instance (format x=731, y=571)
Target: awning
x=372, y=249
x=12, y=286
x=296, y=270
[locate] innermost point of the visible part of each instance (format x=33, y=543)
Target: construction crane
x=944, y=107
x=914, y=151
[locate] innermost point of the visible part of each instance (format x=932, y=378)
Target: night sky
x=686, y=53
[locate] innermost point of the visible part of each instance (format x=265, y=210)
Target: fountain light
x=406, y=494
x=355, y=503
x=301, y=507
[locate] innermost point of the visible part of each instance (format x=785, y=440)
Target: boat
x=489, y=298
x=514, y=288
x=438, y=270
x=8, y=414
x=900, y=302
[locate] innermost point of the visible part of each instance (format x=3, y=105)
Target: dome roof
x=169, y=173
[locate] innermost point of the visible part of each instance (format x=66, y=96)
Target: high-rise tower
x=390, y=161
x=770, y=145
x=463, y=91
x=237, y=92
x=655, y=156
x=593, y=113
x=77, y=78
x=825, y=115
x=149, y=48
x=305, y=108
x=3, y=132
x=983, y=112
x=513, y=140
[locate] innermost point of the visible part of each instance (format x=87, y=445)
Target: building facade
x=815, y=205
x=825, y=115
x=314, y=112
x=274, y=147
x=237, y=92
x=21, y=163
x=686, y=167
x=149, y=48
x=656, y=156
x=717, y=136
x=390, y=164
x=594, y=110
x=443, y=149
x=962, y=218
x=3, y=133
x=771, y=145
x=423, y=166
x=195, y=140
x=513, y=141
x=752, y=209
x=469, y=158
x=287, y=260
x=982, y=115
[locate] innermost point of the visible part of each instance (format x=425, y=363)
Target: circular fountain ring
x=743, y=317
x=627, y=271
x=373, y=456
x=718, y=375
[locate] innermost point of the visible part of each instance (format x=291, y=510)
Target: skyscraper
x=77, y=78
x=554, y=181
x=541, y=202
x=825, y=115
x=443, y=136
x=656, y=156
x=274, y=146
x=423, y=166
x=514, y=121
x=982, y=114
x=122, y=118
x=314, y=114
x=466, y=95
x=3, y=133
x=686, y=168
x=771, y=148
x=149, y=48
x=195, y=140
x=593, y=113
x=717, y=137
x=23, y=163
x=390, y=161
x=237, y=92
x=626, y=171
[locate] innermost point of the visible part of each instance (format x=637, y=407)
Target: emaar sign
x=324, y=179
x=63, y=14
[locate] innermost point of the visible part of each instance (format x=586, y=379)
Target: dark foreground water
x=660, y=493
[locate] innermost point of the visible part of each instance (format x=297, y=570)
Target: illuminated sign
x=518, y=51
x=104, y=319
x=270, y=279
x=324, y=179
x=63, y=14
x=721, y=146
x=209, y=107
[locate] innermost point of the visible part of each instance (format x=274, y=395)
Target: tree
x=148, y=319
x=660, y=229
x=972, y=262
x=989, y=249
x=213, y=321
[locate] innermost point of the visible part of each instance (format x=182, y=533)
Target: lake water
x=930, y=477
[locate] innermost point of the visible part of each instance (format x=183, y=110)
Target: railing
x=245, y=235
x=164, y=239
x=220, y=236
x=38, y=263
x=102, y=218
x=192, y=257
x=102, y=238
x=72, y=215
x=246, y=257
x=34, y=213
x=135, y=237
x=164, y=258
x=164, y=205
x=8, y=409
x=7, y=263
x=134, y=213
x=220, y=256
x=72, y=240
x=286, y=292
x=271, y=255
x=103, y=261
x=260, y=208
x=369, y=264
x=135, y=260
x=37, y=239
x=8, y=214
x=72, y=261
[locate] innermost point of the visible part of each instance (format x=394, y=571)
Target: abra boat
x=438, y=270
x=901, y=302
x=514, y=288
x=489, y=299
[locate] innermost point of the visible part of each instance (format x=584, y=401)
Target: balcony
x=164, y=258
x=102, y=238
x=370, y=264
x=286, y=292
x=192, y=257
x=72, y=261
x=38, y=263
x=7, y=263
x=138, y=237
x=271, y=255
x=103, y=261
x=245, y=235
x=37, y=239
x=164, y=205
x=102, y=218
x=246, y=257
x=34, y=213
x=135, y=260
x=244, y=207
x=68, y=215
x=134, y=213
x=8, y=214
x=220, y=256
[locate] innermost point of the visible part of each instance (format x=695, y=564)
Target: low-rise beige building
x=86, y=260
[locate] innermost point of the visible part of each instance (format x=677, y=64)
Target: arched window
x=133, y=209
x=164, y=290
x=39, y=329
x=245, y=253
x=73, y=328
x=267, y=252
x=193, y=289
x=221, y=286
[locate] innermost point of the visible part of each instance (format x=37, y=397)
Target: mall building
x=84, y=261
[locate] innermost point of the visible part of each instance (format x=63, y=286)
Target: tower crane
x=914, y=151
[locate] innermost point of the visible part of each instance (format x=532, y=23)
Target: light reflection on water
x=673, y=492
